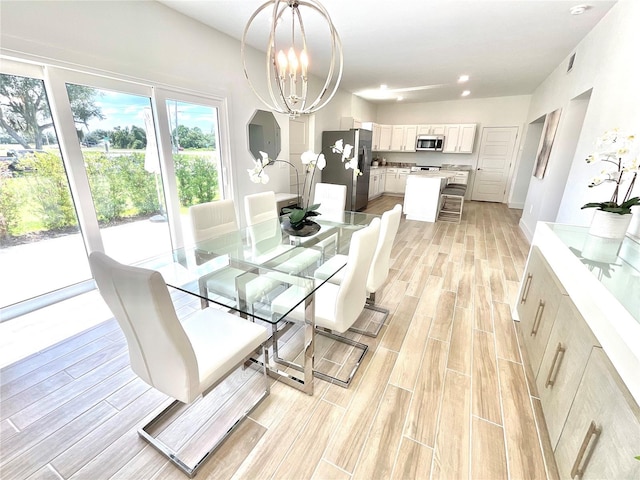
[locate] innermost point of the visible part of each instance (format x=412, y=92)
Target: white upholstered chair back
x=260, y=207
x=352, y=293
x=332, y=199
x=381, y=258
x=261, y=212
x=212, y=219
x=159, y=349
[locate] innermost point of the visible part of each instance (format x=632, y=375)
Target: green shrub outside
x=197, y=179
x=120, y=186
x=47, y=188
x=9, y=214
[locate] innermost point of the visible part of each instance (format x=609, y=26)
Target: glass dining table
x=244, y=270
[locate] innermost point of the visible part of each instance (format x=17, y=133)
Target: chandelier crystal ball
x=288, y=59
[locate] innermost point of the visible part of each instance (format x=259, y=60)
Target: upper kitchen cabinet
x=403, y=138
x=431, y=129
x=382, y=138
x=459, y=138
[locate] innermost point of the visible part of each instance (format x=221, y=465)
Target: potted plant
x=618, y=151
x=297, y=221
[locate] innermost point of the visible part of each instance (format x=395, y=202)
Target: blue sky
x=124, y=110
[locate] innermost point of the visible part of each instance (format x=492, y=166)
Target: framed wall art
x=551, y=122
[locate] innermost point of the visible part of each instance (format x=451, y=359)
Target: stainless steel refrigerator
x=334, y=172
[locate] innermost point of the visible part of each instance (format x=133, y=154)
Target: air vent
x=571, y=60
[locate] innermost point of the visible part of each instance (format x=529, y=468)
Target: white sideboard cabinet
x=579, y=308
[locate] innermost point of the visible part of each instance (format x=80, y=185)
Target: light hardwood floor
x=443, y=392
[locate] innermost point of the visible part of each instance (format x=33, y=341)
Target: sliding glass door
x=39, y=234
x=120, y=155
x=94, y=163
x=195, y=152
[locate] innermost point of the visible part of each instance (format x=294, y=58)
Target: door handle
x=479, y=169
x=525, y=290
x=551, y=378
x=537, y=318
x=593, y=432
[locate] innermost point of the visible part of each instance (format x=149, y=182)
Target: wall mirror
x=264, y=135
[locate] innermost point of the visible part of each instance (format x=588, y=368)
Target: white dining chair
x=212, y=219
x=379, y=271
x=337, y=307
x=332, y=199
x=184, y=360
x=265, y=234
x=214, y=225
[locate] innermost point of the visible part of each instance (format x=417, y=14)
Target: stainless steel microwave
x=430, y=143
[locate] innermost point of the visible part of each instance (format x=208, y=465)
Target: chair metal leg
x=348, y=341
x=375, y=332
x=171, y=454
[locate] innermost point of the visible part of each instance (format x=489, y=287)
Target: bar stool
x=451, y=202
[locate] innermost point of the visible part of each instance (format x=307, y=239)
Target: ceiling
x=507, y=47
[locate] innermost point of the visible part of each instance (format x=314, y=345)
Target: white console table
x=579, y=308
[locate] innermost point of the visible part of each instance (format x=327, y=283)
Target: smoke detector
x=579, y=9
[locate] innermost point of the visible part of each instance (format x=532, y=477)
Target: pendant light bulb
x=293, y=61
x=296, y=96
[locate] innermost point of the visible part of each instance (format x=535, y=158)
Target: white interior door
x=298, y=144
x=496, y=153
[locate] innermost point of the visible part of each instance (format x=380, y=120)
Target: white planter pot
x=609, y=225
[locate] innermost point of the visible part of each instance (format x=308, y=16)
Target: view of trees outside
x=117, y=138
x=34, y=192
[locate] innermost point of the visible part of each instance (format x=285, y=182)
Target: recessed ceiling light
x=579, y=9
x=466, y=93
x=463, y=78
x=383, y=87
x=399, y=99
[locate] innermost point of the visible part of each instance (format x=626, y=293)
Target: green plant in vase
x=299, y=216
x=619, y=153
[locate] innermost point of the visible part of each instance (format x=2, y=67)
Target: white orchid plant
x=311, y=162
x=619, y=152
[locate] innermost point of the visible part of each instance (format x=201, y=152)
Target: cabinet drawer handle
x=550, y=381
x=593, y=432
x=525, y=290
x=538, y=318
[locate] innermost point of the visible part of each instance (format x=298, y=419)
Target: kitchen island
x=422, y=196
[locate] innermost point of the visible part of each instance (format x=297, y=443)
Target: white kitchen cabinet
x=459, y=138
x=384, y=138
x=403, y=138
x=431, y=129
x=396, y=181
x=459, y=176
x=375, y=137
x=397, y=138
x=374, y=183
x=383, y=180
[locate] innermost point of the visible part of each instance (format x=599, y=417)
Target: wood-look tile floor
x=442, y=393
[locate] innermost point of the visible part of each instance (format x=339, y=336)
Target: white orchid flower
x=353, y=163
x=265, y=158
x=308, y=157
x=321, y=162
x=346, y=152
x=257, y=173
x=338, y=147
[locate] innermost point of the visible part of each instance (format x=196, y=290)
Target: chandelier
x=288, y=60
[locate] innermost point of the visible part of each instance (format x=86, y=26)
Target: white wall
x=485, y=112
x=148, y=42
x=607, y=62
x=524, y=169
